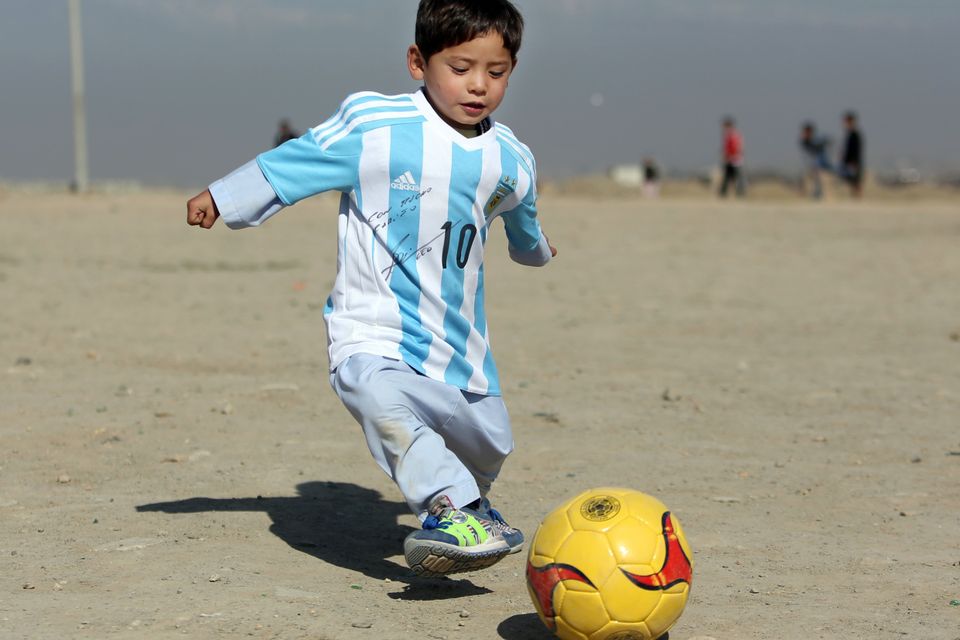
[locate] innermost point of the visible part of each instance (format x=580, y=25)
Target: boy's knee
x=500, y=444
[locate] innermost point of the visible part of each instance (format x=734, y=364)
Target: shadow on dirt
x=525, y=626
x=340, y=523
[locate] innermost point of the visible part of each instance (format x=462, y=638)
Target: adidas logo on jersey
x=405, y=182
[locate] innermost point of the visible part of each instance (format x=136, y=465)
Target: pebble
x=214, y=578
x=63, y=478
x=464, y=614
x=362, y=625
x=752, y=590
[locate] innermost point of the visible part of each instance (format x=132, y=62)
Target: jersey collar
x=420, y=99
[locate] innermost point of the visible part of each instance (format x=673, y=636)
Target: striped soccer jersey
x=418, y=198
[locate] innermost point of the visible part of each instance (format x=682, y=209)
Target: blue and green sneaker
x=459, y=540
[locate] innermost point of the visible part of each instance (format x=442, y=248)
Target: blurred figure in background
x=732, y=153
x=814, y=150
x=851, y=157
x=651, y=178
x=285, y=131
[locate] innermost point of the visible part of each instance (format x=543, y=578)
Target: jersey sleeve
x=525, y=240
x=245, y=198
x=326, y=158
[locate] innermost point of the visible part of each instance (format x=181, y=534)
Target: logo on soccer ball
x=600, y=508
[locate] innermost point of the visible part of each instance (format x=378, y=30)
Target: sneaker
x=459, y=540
x=513, y=536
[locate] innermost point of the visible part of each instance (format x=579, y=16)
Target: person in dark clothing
x=285, y=131
x=651, y=178
x=851, y=157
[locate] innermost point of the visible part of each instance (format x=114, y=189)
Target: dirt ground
x=784, y=376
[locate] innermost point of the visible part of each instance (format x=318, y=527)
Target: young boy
x=422, y=177
x=732, y=153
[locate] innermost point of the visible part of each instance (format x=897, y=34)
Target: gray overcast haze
x=180, y=92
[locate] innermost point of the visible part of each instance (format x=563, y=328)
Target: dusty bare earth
x=785, y=376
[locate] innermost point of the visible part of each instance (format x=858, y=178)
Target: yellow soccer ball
x=609, y=564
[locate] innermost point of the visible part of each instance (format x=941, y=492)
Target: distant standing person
x=732, y=153
x=285, y=131
x=851, y=158
x=651, y=178
x=814, y=149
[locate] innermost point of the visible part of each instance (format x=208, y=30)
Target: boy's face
x=465, y=83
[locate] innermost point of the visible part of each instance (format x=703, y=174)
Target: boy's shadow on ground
x=342, y=524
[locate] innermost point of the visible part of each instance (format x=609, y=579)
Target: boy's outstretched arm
x=202, y=210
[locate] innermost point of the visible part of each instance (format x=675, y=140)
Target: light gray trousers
x=430, y=437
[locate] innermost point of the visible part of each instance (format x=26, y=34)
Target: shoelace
x=433, y=522
x=496, y=517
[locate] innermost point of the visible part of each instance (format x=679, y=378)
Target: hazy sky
x=182, y=91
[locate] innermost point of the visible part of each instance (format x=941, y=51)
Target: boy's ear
x=415, y=62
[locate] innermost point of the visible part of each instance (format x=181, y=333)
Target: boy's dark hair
x=447, y=23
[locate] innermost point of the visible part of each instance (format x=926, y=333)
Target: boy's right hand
x=202, y=210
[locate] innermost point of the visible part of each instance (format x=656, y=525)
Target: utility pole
x=81, y=177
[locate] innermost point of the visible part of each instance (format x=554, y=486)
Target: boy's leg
x=401, y=413
x=480, y=435
x=457, y=538
x=405, y=416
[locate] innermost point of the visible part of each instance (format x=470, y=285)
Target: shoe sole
x=430, y=559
